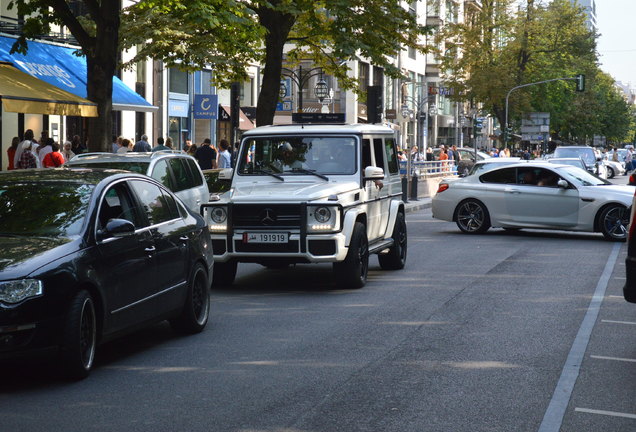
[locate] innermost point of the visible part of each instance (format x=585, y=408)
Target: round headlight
x=322, y=214
x=218, y=215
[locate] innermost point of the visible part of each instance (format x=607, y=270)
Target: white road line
x=613, y=358
x=619, y=322
x=616, y=296
x=607, y=413
x=553, y=417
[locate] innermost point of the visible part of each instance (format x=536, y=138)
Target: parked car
x=577, y=162
x=312, y=194
x=87, y=255
x=613, y=168
x=490, y=163
x=175, y=170
x=467, y=158
x=535, y=195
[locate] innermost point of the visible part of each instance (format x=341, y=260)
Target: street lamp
x=321, y=90
x=300, y=78
x=282, y=91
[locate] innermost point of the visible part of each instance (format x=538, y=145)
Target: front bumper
x=300, y=248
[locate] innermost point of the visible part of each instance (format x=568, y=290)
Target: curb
x=420, y=204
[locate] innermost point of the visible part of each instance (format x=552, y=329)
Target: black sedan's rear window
x=43, y=208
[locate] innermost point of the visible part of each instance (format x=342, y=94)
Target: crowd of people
x=45, y=152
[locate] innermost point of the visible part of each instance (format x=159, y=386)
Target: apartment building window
x=177, y=81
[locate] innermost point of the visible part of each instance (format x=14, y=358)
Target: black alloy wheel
x=472, y=217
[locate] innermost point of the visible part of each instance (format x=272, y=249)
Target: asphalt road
x=498, y=332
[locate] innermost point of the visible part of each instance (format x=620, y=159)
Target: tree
x=326, y=32
x=97, y=33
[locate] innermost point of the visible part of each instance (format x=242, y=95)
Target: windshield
x=586, y=153
x=137, y=167
x=581, y=177
x=43, y=209
x=298, y=155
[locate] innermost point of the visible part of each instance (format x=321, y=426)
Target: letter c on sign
x=205, y=104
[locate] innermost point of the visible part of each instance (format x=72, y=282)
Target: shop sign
x=206, y=107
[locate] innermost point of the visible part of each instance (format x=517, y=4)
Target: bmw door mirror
x=563, y=184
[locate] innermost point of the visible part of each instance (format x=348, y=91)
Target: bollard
x=405, y=187
x=414, y=188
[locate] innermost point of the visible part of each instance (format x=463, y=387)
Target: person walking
x=15, y=142
x=54, y=158
x=125, y=146
x=76, y=145
x=27, y=158
x=206, y=155
x=225, y=158
x=28, y=138
x=66, y=152
x=160, y=146
x=142, y=145
x=44, y=149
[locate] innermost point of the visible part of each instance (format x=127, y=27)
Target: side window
x=537, y=177
x=117, y=204
x=391, y=155
x=366, y=153
x=504, y=176
x=378, y=152
x=161, y=173
x=195, y=171
x=157, y=206
x=180, y=172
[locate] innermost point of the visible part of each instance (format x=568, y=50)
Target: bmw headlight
x=15, y=291
x=323, y=219
x=218, y=219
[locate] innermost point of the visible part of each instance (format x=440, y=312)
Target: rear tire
x=79, y=340
x=196, y=309
x=352, y=272
x=613, y=222
x=472, y=217
x=224, y=273
x=610, y=173
x=395, y=259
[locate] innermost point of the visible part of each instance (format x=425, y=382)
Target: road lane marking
x=553, y=417
x=607, y=413
x=619, y=322
x=613, y=358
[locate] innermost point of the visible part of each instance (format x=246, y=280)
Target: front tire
x=79, y=340
x=224, y=273
x=352, y=272
x=472, y=217
x=395, y=259
x=610, y=172
x=613, y=222
x=196, y=309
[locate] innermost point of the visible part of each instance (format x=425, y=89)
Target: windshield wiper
x=262, y=171
x=312, y=172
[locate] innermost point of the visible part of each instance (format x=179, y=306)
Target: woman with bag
x=54, y=158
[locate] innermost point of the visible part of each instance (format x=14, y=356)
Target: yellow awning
x=23, y=93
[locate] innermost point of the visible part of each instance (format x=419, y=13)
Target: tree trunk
x=101, y=63
x=278, y=26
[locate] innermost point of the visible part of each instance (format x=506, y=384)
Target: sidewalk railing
x=430, y=169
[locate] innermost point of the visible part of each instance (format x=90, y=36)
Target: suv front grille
x=264, y=216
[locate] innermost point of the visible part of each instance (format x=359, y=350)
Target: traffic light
x=580, y=82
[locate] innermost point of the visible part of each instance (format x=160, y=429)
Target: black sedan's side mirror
x=118, y=228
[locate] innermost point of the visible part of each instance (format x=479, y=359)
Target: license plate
x=265, y=237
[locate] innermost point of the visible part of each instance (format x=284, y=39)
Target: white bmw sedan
x=535, y=195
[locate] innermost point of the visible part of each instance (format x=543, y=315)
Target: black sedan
x=86, y=255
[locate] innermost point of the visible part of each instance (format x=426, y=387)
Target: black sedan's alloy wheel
x=79, y=340
x=196, y=309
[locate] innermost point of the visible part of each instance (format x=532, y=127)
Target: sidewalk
x=420, y=204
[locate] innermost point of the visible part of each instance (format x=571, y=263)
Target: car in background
x=592, y=161
x=613, y=168
x=468, y=158
x=538, y=195
x=577, y=162
x=175, y=170
x=87, y=255
x=493, y=162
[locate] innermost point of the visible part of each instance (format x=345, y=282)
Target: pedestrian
x=206, y=155
x=54, y=158
x=115, y=144
x=169, y=143
x=160, y=146
x=76, y=145
x=125, y=146
x=28, y=137
x=27, y=158
x=225, y=158
x=192, y=150
x=66, y=152
x=629, y=156
x=15, y=142
x=44, y=149
x=430, y=156
x=142, y=145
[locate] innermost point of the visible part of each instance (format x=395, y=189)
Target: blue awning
x=59, y=66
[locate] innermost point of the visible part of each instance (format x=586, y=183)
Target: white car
x=535, y=195
x=613, y=168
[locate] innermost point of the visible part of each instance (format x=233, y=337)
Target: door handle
x=150, y=249
x=511, y=190
x=184, y=238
